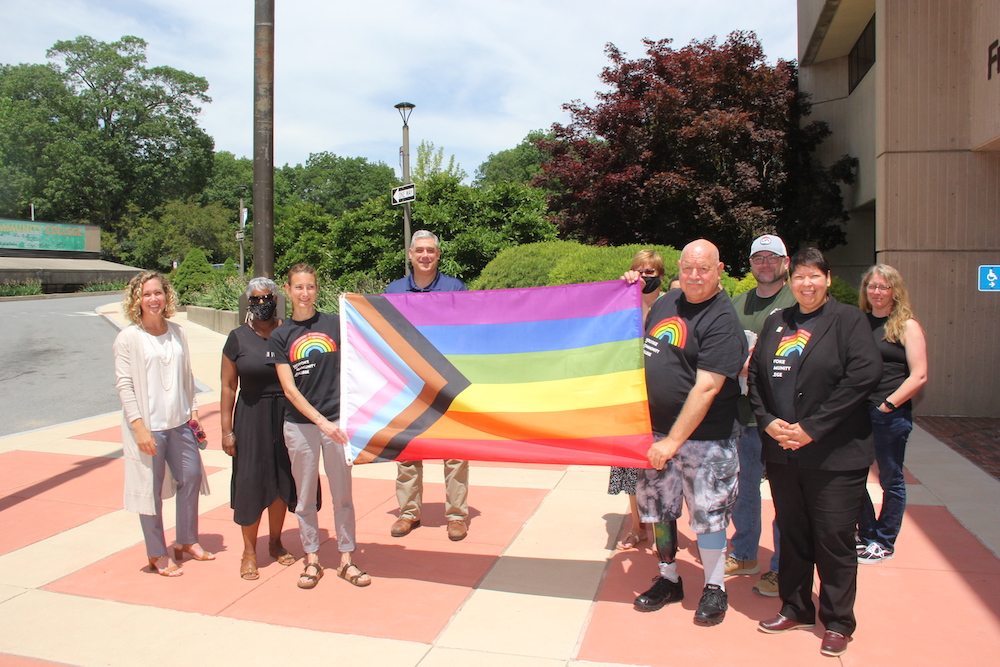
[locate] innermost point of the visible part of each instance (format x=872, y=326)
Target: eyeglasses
x=260, y=299
x=648, y=272
x=757, y=260
x=878, y=288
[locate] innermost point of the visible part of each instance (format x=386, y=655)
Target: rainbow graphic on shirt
x=313, y=342
x=673, y=330
x=793, y=343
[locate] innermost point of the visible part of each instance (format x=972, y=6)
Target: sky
x=482, y=74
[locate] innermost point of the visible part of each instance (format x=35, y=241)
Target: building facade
x=912, y=89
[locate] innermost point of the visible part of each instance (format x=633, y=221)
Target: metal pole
x=406, y=206
x=263, y=139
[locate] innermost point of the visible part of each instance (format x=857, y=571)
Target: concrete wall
x=220, y=321
x=925, y=124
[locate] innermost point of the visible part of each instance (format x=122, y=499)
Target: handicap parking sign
x=989, y=278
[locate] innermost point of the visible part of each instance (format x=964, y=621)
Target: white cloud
x=482, y=74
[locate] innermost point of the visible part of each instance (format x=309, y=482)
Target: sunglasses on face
x=266, y=298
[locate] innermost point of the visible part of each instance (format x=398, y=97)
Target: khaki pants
x=410, y=486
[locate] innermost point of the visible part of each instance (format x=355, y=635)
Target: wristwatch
x=889, y=405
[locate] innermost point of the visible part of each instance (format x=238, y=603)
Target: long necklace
x=164, y=352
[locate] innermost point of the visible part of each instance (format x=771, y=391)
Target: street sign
x=403, y=194
x=989, y=278
x=239, y=235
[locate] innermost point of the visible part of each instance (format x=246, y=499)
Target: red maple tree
x=703, y=141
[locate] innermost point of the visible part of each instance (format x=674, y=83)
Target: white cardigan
x=130, y=369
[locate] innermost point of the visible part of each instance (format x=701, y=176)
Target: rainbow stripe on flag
x=538, y=375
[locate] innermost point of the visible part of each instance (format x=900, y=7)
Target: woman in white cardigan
x=160, y=431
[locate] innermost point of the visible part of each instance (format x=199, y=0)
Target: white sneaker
x=874, y=553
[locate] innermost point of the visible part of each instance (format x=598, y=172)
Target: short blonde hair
x=132, y=303
x=650, y=257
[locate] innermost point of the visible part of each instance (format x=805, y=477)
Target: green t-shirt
x=752, y=311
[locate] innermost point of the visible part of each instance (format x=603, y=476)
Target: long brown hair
x=902, y=311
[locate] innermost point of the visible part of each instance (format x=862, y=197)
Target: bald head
x=700, y=270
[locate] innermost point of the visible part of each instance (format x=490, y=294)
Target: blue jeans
x=746, y=511
x=891, y=431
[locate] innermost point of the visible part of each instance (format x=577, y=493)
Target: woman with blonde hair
x=901, y=342
x=305, y=351
x=160, y=431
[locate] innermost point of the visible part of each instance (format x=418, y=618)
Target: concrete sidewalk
x=536, y=584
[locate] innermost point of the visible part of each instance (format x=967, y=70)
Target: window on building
x=862, y=56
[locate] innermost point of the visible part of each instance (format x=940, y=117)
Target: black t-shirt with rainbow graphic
x=312, y=348
x=682, y=338
x=785, y=363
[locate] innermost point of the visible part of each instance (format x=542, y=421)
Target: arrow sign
x=989, y=278
x=403, y=194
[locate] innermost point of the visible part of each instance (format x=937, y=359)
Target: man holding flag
x=694, y=349
x=425, y=253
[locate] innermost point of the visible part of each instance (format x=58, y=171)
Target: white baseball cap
x=768, y=243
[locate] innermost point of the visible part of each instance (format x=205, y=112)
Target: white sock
x=669, y=572
x=714, y=561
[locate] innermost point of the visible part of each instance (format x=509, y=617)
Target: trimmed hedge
x=568, y=262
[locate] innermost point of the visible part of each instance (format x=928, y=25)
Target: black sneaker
x=713, y=606
x=662, y=592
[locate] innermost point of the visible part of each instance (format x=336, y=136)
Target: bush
x=25, y=288
x=526, y=265
x=105, y=287
x=221, y=294
x=229, y=270
x=843, y=292
x=192, y=275
x=568, y=262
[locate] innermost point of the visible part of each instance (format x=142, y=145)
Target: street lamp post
x=405, y=109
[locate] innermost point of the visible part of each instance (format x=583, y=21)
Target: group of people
x=783, y=379
x=280, y=405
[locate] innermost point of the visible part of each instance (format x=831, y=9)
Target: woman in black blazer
x=811, y=372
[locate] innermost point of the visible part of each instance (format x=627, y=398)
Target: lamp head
x=405, y=109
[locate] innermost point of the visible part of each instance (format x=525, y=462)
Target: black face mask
x=652, y=284
x=262, y=311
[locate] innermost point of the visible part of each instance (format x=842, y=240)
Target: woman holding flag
x=305, y=350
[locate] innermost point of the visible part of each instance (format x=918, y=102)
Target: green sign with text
x=23, y=235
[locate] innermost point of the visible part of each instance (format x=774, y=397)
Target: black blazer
x=839, y=368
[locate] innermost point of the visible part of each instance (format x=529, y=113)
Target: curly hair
x=902, y=311
x=132, y=303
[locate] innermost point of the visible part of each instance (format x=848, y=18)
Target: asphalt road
x=57, y=362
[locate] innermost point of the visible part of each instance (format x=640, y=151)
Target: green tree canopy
x=473, y=224
x=430, y=162
x=702, y=141
x=171, y=231
x=515, y=165
x=98, y=131
x=340, y=184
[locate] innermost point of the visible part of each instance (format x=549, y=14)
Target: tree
x=702, y=141
x=430, y=162
x=171, y=231
x=515, y=165
x=340, y=184
x=473, y=224
x=99, y=131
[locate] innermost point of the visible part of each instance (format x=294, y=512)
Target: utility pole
x=263, y=139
